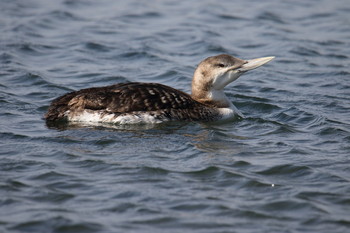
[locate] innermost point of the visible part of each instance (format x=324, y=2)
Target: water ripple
x=283, y=167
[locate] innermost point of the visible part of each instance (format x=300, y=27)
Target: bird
x=143, y=103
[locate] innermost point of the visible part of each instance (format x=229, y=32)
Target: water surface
x=283, y=168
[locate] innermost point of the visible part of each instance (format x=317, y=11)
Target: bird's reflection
x=204, y=137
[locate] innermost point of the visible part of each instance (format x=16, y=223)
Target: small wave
x=271, y=17
x=190, y=207
x=98, y=47
x=56, y=224
x=64, y=15
x=331, y=131
x=303, y=51
x=145, y=15
x=230, y=17
x=287, y=169
x=154, y=170
x=207, y=171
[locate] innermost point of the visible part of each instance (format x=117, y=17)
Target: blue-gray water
x=284, y=168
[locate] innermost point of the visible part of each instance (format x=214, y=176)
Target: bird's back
x=125, y=98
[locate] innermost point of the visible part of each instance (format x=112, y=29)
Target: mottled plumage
x=163, y=102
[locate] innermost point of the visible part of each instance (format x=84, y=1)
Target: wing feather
x=121, y=98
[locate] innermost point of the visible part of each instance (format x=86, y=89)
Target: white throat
x=219, y=97
x=226, y=108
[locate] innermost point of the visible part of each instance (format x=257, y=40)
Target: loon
x=130, y=103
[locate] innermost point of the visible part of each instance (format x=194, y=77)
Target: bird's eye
x=220, y=65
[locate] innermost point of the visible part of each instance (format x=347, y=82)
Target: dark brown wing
x=121, y=98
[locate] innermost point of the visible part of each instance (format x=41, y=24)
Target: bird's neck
x=204, y=92
x=212, y=97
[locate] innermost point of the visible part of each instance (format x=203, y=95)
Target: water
x=284, y=168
